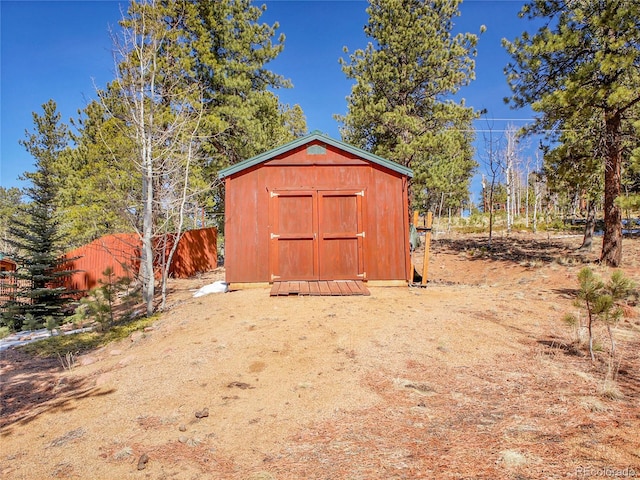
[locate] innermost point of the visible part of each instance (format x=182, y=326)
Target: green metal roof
x=315, y=135
x=4, y=257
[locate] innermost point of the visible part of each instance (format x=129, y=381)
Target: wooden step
x=320, y=287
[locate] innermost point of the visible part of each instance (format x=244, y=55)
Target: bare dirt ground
x=473, y=377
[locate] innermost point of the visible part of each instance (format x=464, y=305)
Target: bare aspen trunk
x=536, y=201
x=146, y=263
x=440, y=210
x=148, y=281
x=526, y=221
x=508, y=188
x=181, y=211
x=517, y=197
x=510, y=155
x=491, y=210
x=164, y=115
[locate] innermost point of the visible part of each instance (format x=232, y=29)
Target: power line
x=505, y=119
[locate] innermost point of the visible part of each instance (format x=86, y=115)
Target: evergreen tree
x=41, y=293
x=401, y=105
x=98, y=177
x=10, y=201
x=631, y=167
x=573, y=167
x=582, y=68
x=230, y=51
x=221, y=48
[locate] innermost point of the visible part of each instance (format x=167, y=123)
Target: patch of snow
x=216, y=287
x=29, y=336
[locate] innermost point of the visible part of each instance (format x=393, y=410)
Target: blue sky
x=61, y=50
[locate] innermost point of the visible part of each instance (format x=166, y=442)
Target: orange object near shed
x=6, y=264
x=316, y=209
x=196, y=253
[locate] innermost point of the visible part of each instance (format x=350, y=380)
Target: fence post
x=427, y=243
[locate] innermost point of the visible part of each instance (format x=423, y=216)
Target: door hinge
x=360, y=235
x=360, y=193
x=274, y=277
x=363, y=275
x=273, y=194
x=273, y=235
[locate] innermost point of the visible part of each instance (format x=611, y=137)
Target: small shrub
x=98, y=306
x=565, y=261
x=611, y=391
x=51, y=324
x=532, y=263
x=31, y=322
x=573, y=322
x=4, y=332
x=554, y=224
x=68, y=361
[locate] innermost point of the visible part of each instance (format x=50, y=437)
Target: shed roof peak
x=314, y=135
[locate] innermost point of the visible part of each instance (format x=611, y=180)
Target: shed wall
x=386, y=249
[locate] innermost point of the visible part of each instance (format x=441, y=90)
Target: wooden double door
x=316, y=235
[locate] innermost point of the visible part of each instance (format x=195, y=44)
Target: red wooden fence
x=8, y=288
x=196, y=252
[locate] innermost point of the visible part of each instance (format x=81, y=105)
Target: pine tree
x=582, y=67
x=10, y=201
x=401, y=105
x=230, y=50
x=573, y=169
x=41, y=292
x=97, y=176
x=228, y=53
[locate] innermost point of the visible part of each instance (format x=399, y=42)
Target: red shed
x=316, y=209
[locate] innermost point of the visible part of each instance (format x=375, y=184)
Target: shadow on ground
x=513, y=249
x=32, y=386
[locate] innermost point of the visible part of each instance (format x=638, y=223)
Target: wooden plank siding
x=196, y=252
x=8, y=288
x=385, y=222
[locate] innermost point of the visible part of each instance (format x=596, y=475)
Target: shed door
x=316, y=235
x=293, y=246
x=341, y=235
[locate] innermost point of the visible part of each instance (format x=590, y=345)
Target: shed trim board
x=316, y=209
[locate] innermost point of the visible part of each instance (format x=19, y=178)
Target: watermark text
x=607, y=472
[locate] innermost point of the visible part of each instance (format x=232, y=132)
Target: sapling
x=619, y=288
x=602, y=301
x=100, y=303
x=108, y=291
x=30, y=322
x=51, y=324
